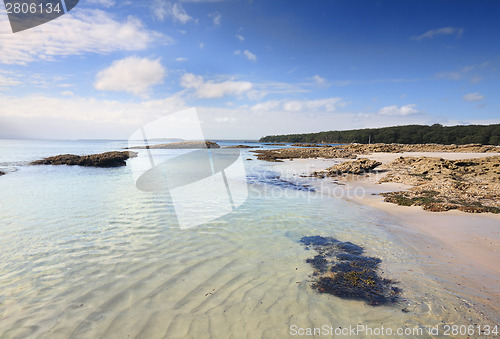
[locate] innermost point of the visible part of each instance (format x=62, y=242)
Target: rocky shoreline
x=360, y=166
x=352, y=150
x=469, y=185
x=107, y=159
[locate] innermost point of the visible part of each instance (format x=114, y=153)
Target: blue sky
x=251, y=68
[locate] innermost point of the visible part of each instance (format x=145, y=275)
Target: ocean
x=84, y=253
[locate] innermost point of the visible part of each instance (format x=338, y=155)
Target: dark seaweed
x=274, y=179
x=341, y=269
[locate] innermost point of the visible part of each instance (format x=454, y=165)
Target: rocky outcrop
x=299, y=144
x=305, y=153
x=397, y=148
x=181, y=145
x=108, y=159
x=2, y=173
x=350, y=151
x=360, y=166
x=471, y=185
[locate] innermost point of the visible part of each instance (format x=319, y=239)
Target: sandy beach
x=460, y=249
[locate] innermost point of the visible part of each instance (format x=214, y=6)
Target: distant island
x=410, y=134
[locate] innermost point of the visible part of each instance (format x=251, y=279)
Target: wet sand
x=463, y=249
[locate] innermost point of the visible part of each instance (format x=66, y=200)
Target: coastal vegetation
x=410, y=134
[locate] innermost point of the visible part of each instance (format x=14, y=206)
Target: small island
x=107, y=159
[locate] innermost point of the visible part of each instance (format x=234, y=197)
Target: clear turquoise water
x=86, y=254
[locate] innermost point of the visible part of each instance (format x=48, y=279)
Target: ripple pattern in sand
x=118, y=266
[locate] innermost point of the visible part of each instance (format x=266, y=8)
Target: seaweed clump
x=341, y=269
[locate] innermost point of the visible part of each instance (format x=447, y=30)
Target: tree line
x=410, y=134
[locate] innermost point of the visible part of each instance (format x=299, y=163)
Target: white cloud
x=211, y=89
x=181, y=59
x=306, y=106
x=85, y=31
x=249, y=55
x=319, y=80
x=476, y=96
x=398, y=110
x=260, y=90
x=202, y=45
x=267, y=106
x=7, y=82
x=104, y=3
x=328, y=104
x=240, y=37
x=216, y=18
x=165, y=9
x=133, y=75
x=440, y=31
x=77, y=117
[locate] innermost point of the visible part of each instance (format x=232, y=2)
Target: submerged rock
x=181, y=145
x=108, y=159
x=341, y=269
x=274, y=179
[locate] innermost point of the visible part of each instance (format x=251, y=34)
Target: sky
x=250, y=68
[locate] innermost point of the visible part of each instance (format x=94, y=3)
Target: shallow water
x=86, y=254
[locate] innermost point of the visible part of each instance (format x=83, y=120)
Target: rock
x=181, y=145
x=299, y=144
x=341, y=269
x=469, y=185
x=304, y=153
x=108, y=159
x=2, y=173
x=360, y=166
x=350, y=151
